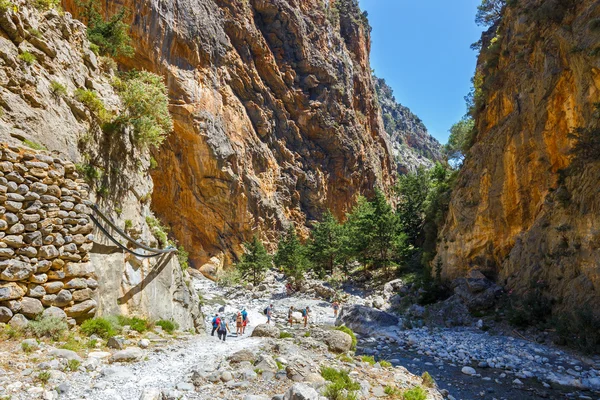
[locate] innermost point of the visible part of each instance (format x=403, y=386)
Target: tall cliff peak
x=412, y=145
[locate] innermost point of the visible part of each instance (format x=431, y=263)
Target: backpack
x=216, y=321
x=304, y=312
x=222, y=325
x=267, y=311
x=244, y=315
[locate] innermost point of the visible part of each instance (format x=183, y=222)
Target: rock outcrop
x=45, y=65
x=276, y=118
x=412, y=145
x=525, y=208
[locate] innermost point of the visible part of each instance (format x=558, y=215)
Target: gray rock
x=66, y=354
x=242, y=355
x=185, y=386
x=127, y=355
x=365, y=320
x=31, y=307
x=53, y=287
x=116, y=342
x=151, y=394
x=63, y=298
x=266, y=363
x=55, y=312
x=31, y=343
x=301, y=391
x=18, y=321
x=117, y=373
x=266, y=330
x=226, y=376
x=468, y=371
x=5, y=314
x=36, y=291
x=10, y=291
x=15, y=270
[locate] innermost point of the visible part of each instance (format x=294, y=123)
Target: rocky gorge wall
x=276, y=118
x=41, y=109
x=525, y=209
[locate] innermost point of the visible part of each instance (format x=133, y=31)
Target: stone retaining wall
x=45, y=239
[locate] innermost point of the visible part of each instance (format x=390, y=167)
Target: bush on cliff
x=111, y=36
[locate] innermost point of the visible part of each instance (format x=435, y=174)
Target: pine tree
x=412, y=191
x=255, y=261
x=386, y=234
x=291, y=256
x=359, y=229
x=325, y=244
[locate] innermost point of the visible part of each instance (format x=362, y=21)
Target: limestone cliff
x=45, y=66
x=412, y=145
x=276, y=118
x=526, y=207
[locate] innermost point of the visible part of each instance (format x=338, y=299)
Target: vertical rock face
x=526, y=207
x=276, y=118
x=412, y=146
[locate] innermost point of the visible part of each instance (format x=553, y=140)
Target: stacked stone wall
x=45, y=239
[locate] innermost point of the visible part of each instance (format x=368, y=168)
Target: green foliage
x=44, y=5
x=291, y=256
x=167, y=326
x=146, y=101
x=12, y=332
x=553, y=11
x=35, y=33
x=368, y=359
x=341, y=386
x=158, y=230
x=428, y=380
x=89, y=172
x=91, y=344
x=462, y=136
x=230, y=278
x=285, y=335
x=51, y=327
x=412, y=191
x=43, y=377
x=93, y=102
x=349, y=331
x=533, y=308
x=345, y=358
x=579, y=329
x=416, y=393
x=111, y=36
x=392, y=392
x=58, y=89
x=280, y=366
x=385, y=364
x=489, y=12
x=33, y=145
x=73, y=365
x=325, y=244
x=135, y=323
x=183, y=258
x=153, y=163
x=99, y=326
x=27, y=57
x=128, y=224
x=5, y=5
x=255, y=261
x=26, y=347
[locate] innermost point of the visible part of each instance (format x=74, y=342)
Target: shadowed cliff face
x=274, y=110
x=526, y=206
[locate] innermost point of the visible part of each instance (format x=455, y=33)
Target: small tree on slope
x=255, y=261
x=291, y=256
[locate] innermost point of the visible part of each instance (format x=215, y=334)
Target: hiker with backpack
x=305, y=315
x=244, y=320
x=239, y=324
x=291, y=316
x=336, y=307
x=222, y=329
x=268, y=311
x=215, y=324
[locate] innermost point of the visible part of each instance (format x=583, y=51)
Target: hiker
x=244, y=320
x=239, y=324
x=336, y=307
x=222, y=329
x=288, y=289
x=291, y=316
x=305, y=313
x=268, y=312
x=215, y=323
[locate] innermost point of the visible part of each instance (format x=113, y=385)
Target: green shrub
x=153, y=163
x=392, y=391
x=167, y=326
x=345, y=358
x=5, y=5
x=73, y=365
x=99, y=326
x=44, y=5
x=27, y=57
x=349, y=331
x=43, y=377
x=72, y=343
x=91, y=344
x=51, y=327
x=12, y=332
x=182, y=257
x=341, y=386
x=280, y=366
x=35, y=33
x=110, y=37
x=368, y=359
x=128, y=224
x=158, y=230
x=137, y=324
x=416, y=393
x=284, y=335
x=307, y=334
x=428, y=380
x=385, y=364
x=33, y=145
x=91, y=100
x=26, y=347
x=88, y=172
x=146, y=101
x=58, y=89
x=579, y=329
x=230, y=277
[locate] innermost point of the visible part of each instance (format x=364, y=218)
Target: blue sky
x=421, y=48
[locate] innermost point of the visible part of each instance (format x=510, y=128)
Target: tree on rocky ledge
x=255, y=261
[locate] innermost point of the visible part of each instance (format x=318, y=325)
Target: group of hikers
x=220, y=325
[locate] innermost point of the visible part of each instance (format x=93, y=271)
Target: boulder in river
x=365, y=320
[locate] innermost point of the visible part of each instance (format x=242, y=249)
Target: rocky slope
x=45, y=60
x=275, y=114
x=525, y=208
x=412, y=145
